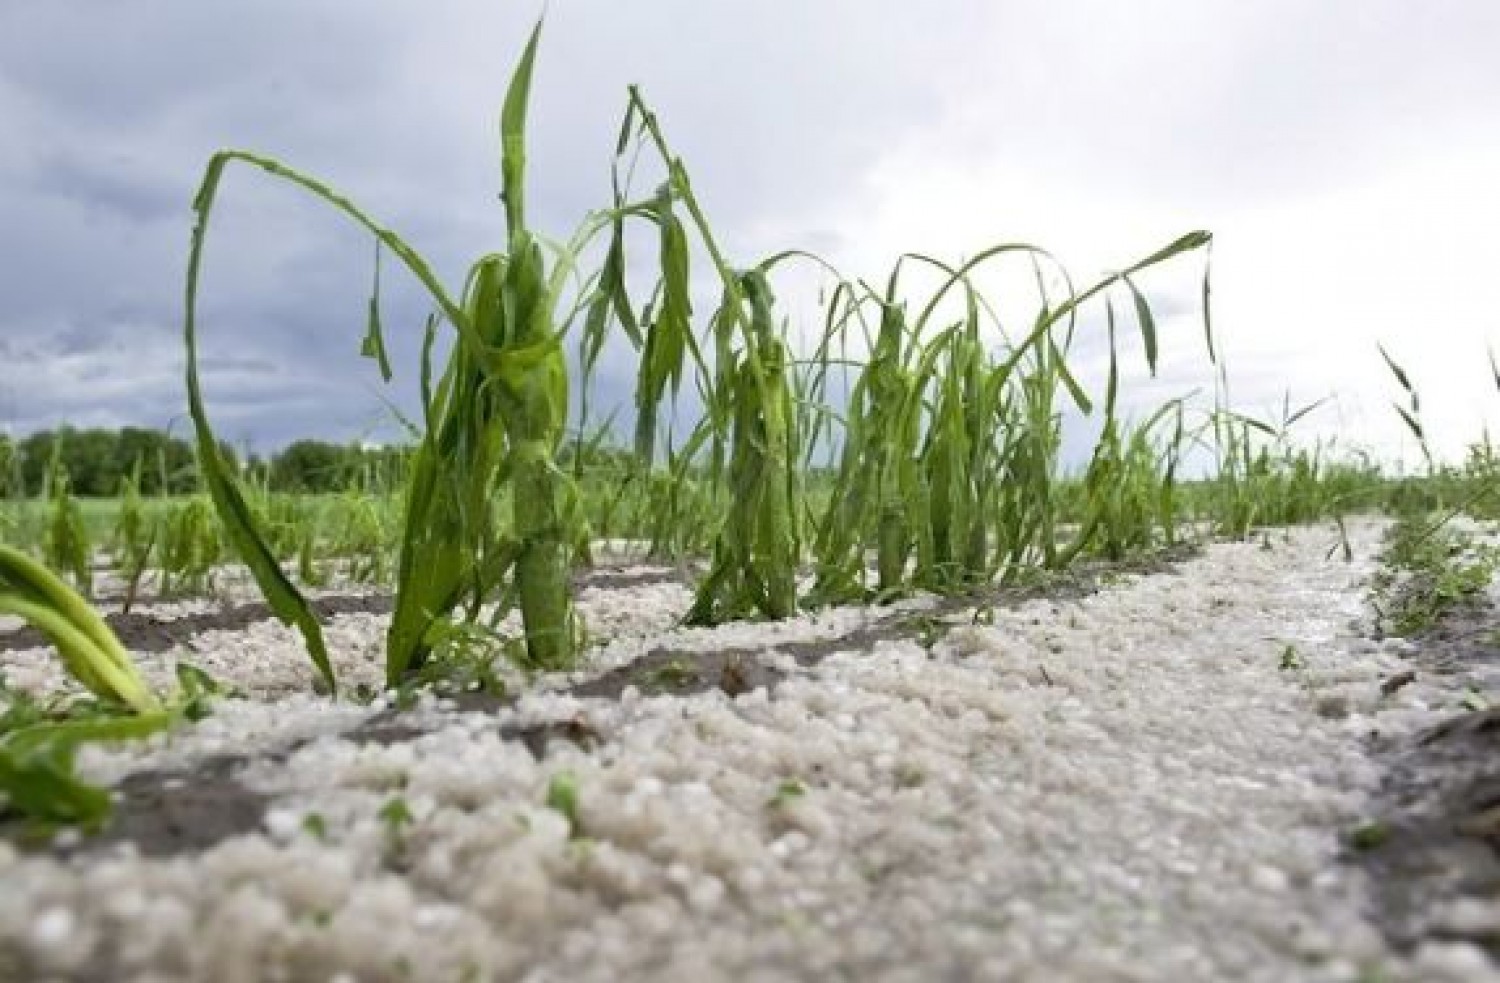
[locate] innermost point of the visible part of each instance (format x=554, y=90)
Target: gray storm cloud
x=788, y=113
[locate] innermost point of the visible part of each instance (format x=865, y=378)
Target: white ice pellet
x=52, y=929
x=1269, y=879
x=1472, y=917
x=57, y=942
x=282, y=824
x=1454, y=962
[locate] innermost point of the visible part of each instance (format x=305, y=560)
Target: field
x=853, y=675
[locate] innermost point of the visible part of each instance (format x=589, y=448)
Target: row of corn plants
x=948, y=461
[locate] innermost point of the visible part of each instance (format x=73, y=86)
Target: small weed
x=789, y=791
x=1369, y=836
x=1291, y=661
x=462, y=660
x=562, y=796
x=927, y=629
x=909, y=776
x=1427, y=571
x=396, y=815
x=675, y=673
x=314, y=825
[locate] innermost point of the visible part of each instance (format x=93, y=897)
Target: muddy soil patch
x=1432, y=846
x=142, y=631
x=165, y=812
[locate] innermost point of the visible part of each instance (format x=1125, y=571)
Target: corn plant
x=190, y=548
x=493, y=419
x=959, y=458
x=949, y=466
x=361, y=538
x=756, y=553
x=876, y=482
x=288, y=522
x=678, y=513
x=66, y=544
x=750, y=424
x=309, y=573
x=1129, y=490
x=10, y=468
x=135, y=536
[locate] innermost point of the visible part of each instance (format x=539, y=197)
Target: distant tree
x=97, y=461
x=310, y=466
x=88, y=457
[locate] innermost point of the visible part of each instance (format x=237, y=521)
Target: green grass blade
x=1145, y=321
x=1396, y=369
x=1208, y=322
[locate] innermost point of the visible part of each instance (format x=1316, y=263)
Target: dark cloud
x=117, y=187
x=782, y=110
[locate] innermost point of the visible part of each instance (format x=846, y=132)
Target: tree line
x=98, y=462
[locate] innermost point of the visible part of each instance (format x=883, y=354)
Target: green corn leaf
x=45, y=790
x=89, y=649
x=36, y=767
x=627, y=128
x=373, y=345
x=239, y=523
x=513, y=136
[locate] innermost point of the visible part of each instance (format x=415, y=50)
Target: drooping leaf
x=373, y=345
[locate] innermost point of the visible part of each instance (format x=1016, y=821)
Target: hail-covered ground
x=1154, y=781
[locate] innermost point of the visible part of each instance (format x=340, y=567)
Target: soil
x=163, y=813
x=1433, y=840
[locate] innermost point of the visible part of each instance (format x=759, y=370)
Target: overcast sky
x=1346, y=154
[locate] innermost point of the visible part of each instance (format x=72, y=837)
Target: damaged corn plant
x=950, y=468
x=494, y=419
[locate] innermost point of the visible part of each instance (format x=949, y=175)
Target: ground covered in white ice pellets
x=1143, y=784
